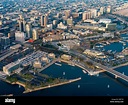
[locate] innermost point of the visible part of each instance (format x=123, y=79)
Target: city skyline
x=91, y=36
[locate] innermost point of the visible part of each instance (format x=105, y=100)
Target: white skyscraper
x=35, y=34
x=20, y=36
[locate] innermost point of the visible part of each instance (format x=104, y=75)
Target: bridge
x=110, y=70
x=114, y=72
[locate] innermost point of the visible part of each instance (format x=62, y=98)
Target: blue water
x=114, y=47
x=89, y=85
x=103, y=85
x=6, y=88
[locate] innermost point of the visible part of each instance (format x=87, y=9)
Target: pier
x=49, y=86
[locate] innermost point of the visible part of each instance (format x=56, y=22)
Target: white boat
x=107, y=43
x=121, y=41
x=84, y=71
x=58, y=64
x=19, y=86
x=63, y=73
x=124, y=44
x=71, y=64
x=97, y=74
x=108, y=86
x=78, y=86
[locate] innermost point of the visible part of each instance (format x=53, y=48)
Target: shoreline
x=71, y=63
x=121, y=65
x=49, y=86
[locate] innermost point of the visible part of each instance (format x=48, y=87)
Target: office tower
x=21, y=28
x=24, y=24
x=35, y=34
x=28, y=30
x=21, y=17
x=0, y=22
x=4, y=42
x=93, y=13
x=86, y=15
x=44, y=20
x=20, y=36
x=102, y=10
x=67, y=13
x=109, y=9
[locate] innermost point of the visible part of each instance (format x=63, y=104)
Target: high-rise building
x=86, y=15
x=93, y=13
x=21, y=28
x=24, y=24
x=0, y=22
x=35, y=34
x=102, y=10
x=67, y=13
x=11, y=34
x=44, y=20
x=20, y=36
x=21, y=17
x=4, y=42
x=109, y=9
x=29, y=30
x=70, y=21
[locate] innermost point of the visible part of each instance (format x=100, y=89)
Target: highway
x=110, y=70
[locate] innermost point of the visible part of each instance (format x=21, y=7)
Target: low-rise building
x=94, y=53
x=11, y=67
x=65, y=57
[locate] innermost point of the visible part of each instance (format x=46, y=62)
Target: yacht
x=84, y=71
x=108, y=86
x=63, y=73
x=58, y=64
x=78, y=86
x=19, y=86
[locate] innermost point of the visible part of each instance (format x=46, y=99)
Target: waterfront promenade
x=49, y=86
x=110, y=70
x=124, y=64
